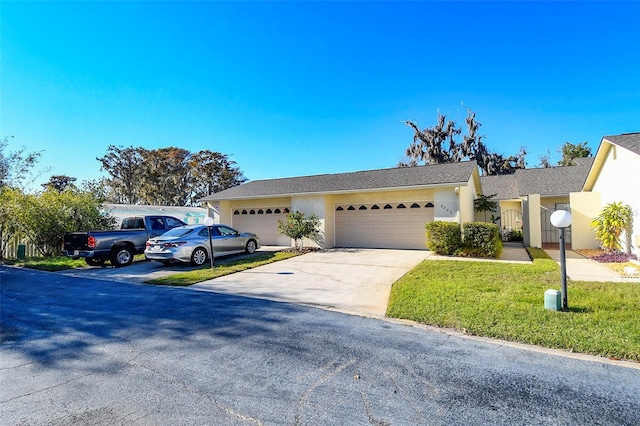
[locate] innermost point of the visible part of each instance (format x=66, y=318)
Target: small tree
x=484, y=203
x=298, y=227
x=614, y=219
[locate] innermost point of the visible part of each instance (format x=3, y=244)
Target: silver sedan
x=190, y=243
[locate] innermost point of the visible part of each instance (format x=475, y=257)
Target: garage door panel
x=383, y=227
x=263, y=225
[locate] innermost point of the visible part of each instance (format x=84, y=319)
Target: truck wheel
x=251, y=247
x=94, y=262
x=121, y=256
x=198, y=257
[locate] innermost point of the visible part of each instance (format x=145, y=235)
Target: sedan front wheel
x=251, y=247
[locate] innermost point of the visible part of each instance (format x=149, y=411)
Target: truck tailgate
x=75, y=241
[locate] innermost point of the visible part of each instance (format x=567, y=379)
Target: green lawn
x=206, y=273
x=52, y=264
x=506, y=301
x=56, y=263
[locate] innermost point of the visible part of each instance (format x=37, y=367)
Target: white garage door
x=263, y=222
x=383, y=225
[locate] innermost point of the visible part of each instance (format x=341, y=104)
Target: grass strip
x=56, y=263
x=506, y=301
x=206, y=273
x=51, y=264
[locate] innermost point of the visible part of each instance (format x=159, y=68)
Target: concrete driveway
x=350, y=280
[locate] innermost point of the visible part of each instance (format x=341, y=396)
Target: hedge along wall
x=443, y=237
x=477, y=239
x=481, y=239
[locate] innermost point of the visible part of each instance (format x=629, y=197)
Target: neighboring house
x=189, y=215
x=529, y=196
x=385, y=208
x=615, y=177
x=388, y=208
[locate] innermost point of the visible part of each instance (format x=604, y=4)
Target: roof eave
x=347, y=191
x=598, y=162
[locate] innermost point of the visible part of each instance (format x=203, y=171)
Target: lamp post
x=208, y=221
x=561, y=219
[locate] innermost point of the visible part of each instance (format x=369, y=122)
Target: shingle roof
x=404, y=177
x=630, y=141
x=550, y=181
x=505, y=187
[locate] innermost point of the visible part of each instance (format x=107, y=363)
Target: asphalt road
x=78, y=351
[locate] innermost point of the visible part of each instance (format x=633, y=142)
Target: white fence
x=11, y=249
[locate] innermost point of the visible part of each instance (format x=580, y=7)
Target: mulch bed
x=621, y=268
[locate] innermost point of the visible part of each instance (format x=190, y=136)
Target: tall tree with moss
x=442, y=144
x=570, y=152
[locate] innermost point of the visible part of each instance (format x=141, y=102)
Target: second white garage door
x=262, y=222
x=383, y=225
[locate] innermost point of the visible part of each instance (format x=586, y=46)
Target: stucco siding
x=584, y=207
x=532, y=221
x=312, y=204
x=550, y=202
x=466, y=196
x=447, y=205
x=618, y=181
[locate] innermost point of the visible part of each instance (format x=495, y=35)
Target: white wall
x=312, y=204
x=584, y=207
x=532, y=222
x=465, y=201
x=447, y=205
x=619, y=181
x=189, y=215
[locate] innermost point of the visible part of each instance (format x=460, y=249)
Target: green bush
x=513, y=235
x=298, y=227
x=443, y=237
x=481, y=240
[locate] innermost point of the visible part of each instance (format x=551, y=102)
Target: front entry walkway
x=579, y=268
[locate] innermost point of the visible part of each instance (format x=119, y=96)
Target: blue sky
x=302, y=88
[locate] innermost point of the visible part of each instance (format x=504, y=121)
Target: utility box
x=552, y=300
x=22, y=252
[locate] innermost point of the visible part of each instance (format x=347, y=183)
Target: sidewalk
x=579, y=268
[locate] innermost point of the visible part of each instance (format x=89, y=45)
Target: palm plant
x=613, y=220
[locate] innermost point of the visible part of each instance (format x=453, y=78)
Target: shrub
x=481, y=239
x=614, y=257
x=443, y=237
x=613, y=220
x=513, y=235
x=298, y=227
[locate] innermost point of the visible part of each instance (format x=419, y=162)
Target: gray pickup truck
x=120, y=245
